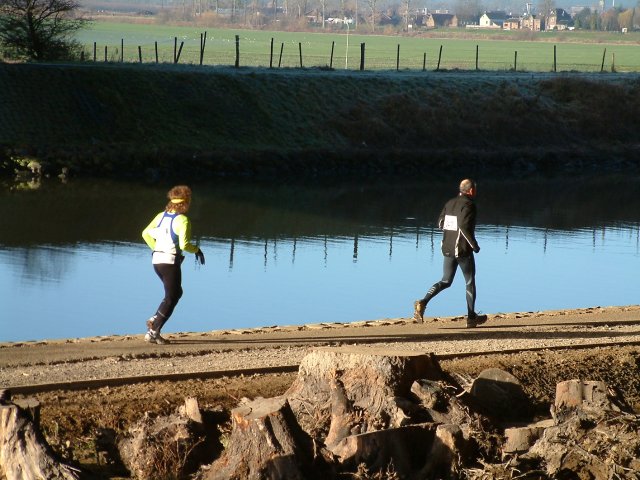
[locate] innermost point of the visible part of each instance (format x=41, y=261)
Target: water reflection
x=72, y=262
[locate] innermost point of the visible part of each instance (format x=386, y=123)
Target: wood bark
x=406, y=448
x=583, y=394
x=370, y=380
x=266, y=442
x=169, y=446
x=24, y=452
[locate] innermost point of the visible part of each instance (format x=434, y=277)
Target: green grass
x=575, y=51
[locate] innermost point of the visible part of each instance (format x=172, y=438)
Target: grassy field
x=575, y=51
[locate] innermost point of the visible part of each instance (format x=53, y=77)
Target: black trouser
x=468, y=267
x=171, y=276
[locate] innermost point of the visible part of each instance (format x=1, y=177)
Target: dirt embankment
x=130, y=120
x=539, y=348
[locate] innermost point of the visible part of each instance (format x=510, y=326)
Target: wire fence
x=337, y=55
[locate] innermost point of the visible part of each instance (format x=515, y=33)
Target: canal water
x=73, y=263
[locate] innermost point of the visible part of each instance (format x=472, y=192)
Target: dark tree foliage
x=40, y=29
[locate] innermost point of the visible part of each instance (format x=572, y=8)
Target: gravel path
x=49, y=362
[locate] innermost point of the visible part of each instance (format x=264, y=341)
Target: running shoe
x=419, y=306
x=475, y=320
x=152, y=337
x=150, y=323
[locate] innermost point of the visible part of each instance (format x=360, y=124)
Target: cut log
x=447, y=453
x=24, y=452
x=406, y=448
x=520, y=439
x=266, y=442
x=191, y=409
x=371, y=379
x=584, y=395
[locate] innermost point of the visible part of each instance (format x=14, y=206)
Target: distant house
x=492, y=19
x=511, y=24
x=559, y=20
x=433, y=20
x=534, y=23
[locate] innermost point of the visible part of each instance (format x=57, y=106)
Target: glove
x=476, y=249
x=200, y=257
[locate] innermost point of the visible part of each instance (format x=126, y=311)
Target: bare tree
x=300, y=8
x=40, y=29
x=372, y=6
x=406, y=6
x=546, y=9
x=323, y=9
x=468, y=11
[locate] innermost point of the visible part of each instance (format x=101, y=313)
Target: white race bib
x=450, y=223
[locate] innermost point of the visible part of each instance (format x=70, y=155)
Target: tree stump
x=266, y=442
x=355, y=388
x=24, y=453
x=167, y=446
x=585, y=395
x=406, y=448
x=520, y=439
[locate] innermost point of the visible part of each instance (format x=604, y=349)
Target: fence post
x=603, y=55
x=271, y=54
x=105, y=54
x=477, y=52
x=121, y=50
x=613, y=62
x=175, y=49
x=203, y=43
x=515, y=61
x=280, y=59
x=424, y=62
x=554, y=59
x=333, y=44
x=156, y=51
x=237, y=51
x=439, y=58
x=139, y=53
x=300, y=50
x=362, y=56
x=95, y=46
x=179, y=51
x=398, y=59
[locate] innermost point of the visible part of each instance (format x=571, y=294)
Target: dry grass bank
x=129, y=120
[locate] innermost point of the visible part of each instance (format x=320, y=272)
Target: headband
x=177, y=200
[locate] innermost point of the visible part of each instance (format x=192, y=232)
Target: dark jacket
x=458, y=221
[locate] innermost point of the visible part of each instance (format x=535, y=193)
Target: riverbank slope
x=124, y=120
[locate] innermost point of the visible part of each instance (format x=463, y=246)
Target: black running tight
x=450, y=265
x=171, y=276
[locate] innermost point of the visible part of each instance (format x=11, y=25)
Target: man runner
x=458, y=222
